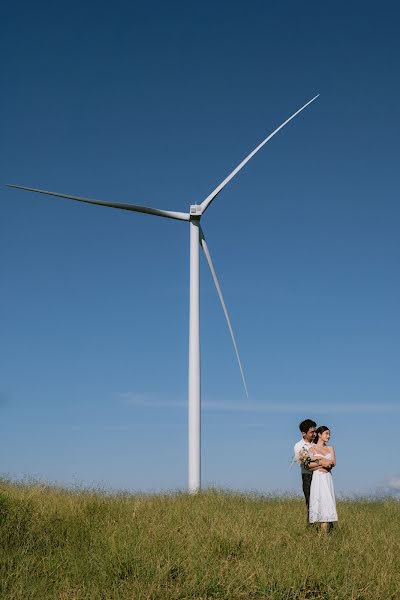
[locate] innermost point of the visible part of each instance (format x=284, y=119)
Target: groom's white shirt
x=297, y=447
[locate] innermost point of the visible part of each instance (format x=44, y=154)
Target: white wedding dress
x=322, y=494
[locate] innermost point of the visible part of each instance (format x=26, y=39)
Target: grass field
x=75, y=545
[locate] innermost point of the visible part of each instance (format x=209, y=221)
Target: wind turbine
x=197, y=239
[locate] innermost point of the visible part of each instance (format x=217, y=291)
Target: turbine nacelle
x=196, y=210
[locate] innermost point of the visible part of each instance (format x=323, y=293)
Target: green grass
x=86, y=545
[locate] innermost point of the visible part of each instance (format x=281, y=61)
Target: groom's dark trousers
x=306, y=477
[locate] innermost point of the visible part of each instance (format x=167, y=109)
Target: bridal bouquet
x=304, y=458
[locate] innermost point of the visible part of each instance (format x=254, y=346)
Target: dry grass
x=64, y=545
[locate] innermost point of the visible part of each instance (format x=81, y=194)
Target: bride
x=322, y=494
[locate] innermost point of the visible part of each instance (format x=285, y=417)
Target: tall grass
x=60, y=544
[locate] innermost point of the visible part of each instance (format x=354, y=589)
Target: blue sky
x=155, y=104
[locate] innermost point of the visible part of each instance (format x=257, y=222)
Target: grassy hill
x=86, y=545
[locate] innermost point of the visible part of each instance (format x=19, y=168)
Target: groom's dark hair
x=306, y=425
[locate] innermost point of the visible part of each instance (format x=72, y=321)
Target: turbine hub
x=195, y=210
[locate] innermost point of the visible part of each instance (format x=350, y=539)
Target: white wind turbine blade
x=204, y=205
x=204, y=246
x=134, y=207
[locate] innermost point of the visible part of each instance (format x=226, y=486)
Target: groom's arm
x=313, y=466
x=320, y=462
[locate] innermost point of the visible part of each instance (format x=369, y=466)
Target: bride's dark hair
x=321, y=430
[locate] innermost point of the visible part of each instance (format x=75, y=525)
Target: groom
x=308, y=433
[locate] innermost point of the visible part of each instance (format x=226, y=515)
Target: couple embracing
x=317, y=460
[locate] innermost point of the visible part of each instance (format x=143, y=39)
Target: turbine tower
x=197, y=240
